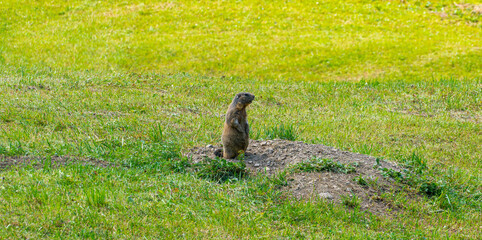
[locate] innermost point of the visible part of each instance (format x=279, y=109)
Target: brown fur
x=235, y=136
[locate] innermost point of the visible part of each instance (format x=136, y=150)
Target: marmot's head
x=243, y=99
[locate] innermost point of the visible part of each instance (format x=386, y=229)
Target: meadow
x=136, y=84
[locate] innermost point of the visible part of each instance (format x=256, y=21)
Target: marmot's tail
x=218, y=153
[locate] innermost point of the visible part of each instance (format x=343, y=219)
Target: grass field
x=138, y=83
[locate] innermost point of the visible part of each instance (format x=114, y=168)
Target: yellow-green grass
x=135, y=83
x=299, y=40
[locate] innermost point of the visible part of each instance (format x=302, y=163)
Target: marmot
x=235, y=136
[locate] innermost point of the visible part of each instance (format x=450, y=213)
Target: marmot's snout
x=245, y=97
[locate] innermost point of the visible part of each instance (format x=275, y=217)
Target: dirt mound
x=55, y=161
x=273, y=156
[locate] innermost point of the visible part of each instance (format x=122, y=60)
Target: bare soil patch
x=56, y=161
x=273, y=156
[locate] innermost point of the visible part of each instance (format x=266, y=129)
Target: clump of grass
x=265, y=188
x=36, y=195
x=447, y=200
x=319, y=165
x=96, y=197
x=414, y=174
x=179, y=165
x=431, y=183
x=411, y=174
x=156, y=133
x=12, y=148
x=360, y=180
x=47, y=163
x=443, y=195
x=351, y=201
x=372, y=181
x=397, y=175
x=287, y=132
x=280, y=180
x=219, y=170
x=241, y=156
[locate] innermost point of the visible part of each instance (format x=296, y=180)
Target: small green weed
x=287, y=132
x=372, y=181
x=429, y=188
x=241, y=156
x=397, y=175
x=319, y=165
x=377, y=164
x=219, y=170
x=351, y=201
x=360, y=180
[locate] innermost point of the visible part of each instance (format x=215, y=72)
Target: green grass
x=321, y=165
x=281, y=132
x=361, y=180
x=447, y=191
x=220, y=170
x=138, y=83
x=351, y=201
